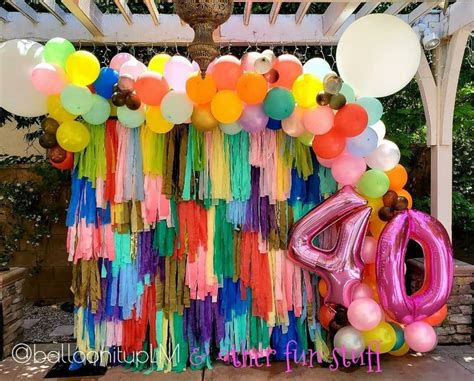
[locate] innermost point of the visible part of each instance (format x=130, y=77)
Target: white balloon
x=17, y=93
x=351, y=340
x=262, y=64
x=176, y=107
x=385, y=157
x=378, y=55
x=230, y=128
x=380, y=129
x=317, y=67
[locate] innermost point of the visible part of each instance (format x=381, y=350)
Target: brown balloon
x=202, y=118
x=49, y=125
x=57, y=154
x=389, y=198
x=400, y=204
x=118, y=99
x=48, y=141
x=386, y=213
x=271, y=76
x=337, y=101
x=323, y=98
x=133, y=102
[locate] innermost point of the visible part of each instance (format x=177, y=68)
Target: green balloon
x=373, y=183
x=57, y=50
x=99, y=112
x=279, y=103
x=130, y=118
x=373, y=107
x=76, y=99
x=400, y=337
x=348, y=92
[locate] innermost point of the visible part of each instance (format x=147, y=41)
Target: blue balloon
x=104, y=84
x=373, y=107
x=362, y=145
x=273, y=124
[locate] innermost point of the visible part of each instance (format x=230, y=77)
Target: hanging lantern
x=204, y=17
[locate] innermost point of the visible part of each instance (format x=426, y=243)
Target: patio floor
x=446, y=363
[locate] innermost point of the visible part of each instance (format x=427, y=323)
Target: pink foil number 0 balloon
x=390, y=262
x=341, y=266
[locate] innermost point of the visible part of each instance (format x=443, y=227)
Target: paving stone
x=29, y=323
x=63, y=330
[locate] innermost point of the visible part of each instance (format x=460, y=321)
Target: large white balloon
x=17, y=93
x=385, y=157
x=176, y=107
x=378, y=55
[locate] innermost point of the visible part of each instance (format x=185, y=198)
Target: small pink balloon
x=126, y=83
x=368, y=252
x=253, y=118
x=48, y=79
x=362, y=291
x=177, y=71
x=132, y=69
x=347, y=169
x=364, y=314
x=318, y=120
x=325, y=162
x=248, y=60
x=196, y=67
x=420, y=336
x=293, y=125
x=119, y=59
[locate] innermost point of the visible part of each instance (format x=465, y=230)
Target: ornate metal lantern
x=204, y=16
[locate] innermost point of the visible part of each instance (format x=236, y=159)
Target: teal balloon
x=57, y=50
x=130, y=118
x=99, y=112
x=279, y=103
x=400, y=337
x=76, y=99
x=348, y=92
x=373, y=183
x=373, y=107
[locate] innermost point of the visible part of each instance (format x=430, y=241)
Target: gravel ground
x=50, y=317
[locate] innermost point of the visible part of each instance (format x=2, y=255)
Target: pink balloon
x=318, y=120
x=347, y=169
x=364, y=314
x=340, y=264
x=253, y=118
x=177, y=71
x=289, y=68
x=48, y=79
x=248, y=60
x=369, y=250
x=293, y=125
x=362, y=291
x=325, y=162
x=420, y=336
x=132, y=69
x=390, y=262
x=119, y=59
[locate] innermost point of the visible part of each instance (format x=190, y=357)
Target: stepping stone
x=29, y=323
x=63, y=330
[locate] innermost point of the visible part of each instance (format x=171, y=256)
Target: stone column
x=12, y=309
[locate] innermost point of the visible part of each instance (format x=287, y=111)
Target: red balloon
x=330, y=145
x=151, y=87
x=351, y=120
x=67, y=163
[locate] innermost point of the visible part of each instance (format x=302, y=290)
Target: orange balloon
x=398, y=177
x=226, y=71
x=323, y=288
x=252, y=88
x=202, y=118
x=326, y=314
x=404, y=193
x=376, y=226
x=373, y=286
x=438, y=317
x=289, y=68
x=201, y=90
x=370, y=272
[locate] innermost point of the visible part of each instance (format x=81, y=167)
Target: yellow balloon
x=57, y=111
x=403, y=350
x=82, y=67
x=381, y=338
x=73, y=136
x=202, y=118
x=376, y=226
x=113, y=109
x=155, y=121
x=157, y=63
x=305, y=89
x=226, y=106
x=376, y=204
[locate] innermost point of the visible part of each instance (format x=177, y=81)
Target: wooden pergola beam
x=336, y=15
x=24, y=9
x=124, y=10
x=53, y=8
x=397, y=7
x=247, y=12
x=87, y=13
x=366, y=9
x=301, y=11
x=421, y=10
x=4, y=16
x=155, y=15
x=274, y=11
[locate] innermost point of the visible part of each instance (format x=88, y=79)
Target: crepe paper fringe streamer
x=178, y=243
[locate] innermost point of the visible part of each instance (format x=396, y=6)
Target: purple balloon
x=341, y=265
x=363, y=144
x=390, y=262
x=253, y=118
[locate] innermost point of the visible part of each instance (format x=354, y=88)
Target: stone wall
x=12, y=302
x=458, y=326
